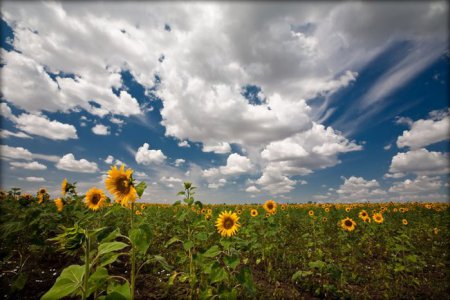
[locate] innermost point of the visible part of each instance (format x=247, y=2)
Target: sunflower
x=395, y=210
x=378, y=218
x=348, y=224
x=239, y=211
x=405, y=222
x=207, y=217
x=324, y=219
x=120, y=183
x=59, y=204
x=347, y=209
x=402, y=210
x=209, y=211
x=268, y=215
x=283, y=207
x=95, y=198
x=227, y=223
x=270, y=206
x=253, y=212
x=435, y=230
x=138, y=212
x=367, y=219
x=64, y=187
x=363, y=214
x=327, y=209
x=203, y=211
x=42, y=191
x=311, y=213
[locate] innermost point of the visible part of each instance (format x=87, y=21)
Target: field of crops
x=91, y=247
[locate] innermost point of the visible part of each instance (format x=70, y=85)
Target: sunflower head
x=435, y=230
x=363, y=214
x=347, y=209
x=138, y=212
x=120, y=183
x=405, y=222
x=42, y=191
x=270, y=206
x=324, y=219
x=209, y=211
x=366, y=219
x=348, y=224
x=227, y=223
x=311, y=213
x=239, y=211
x=64, y=187
x=95, y=199
x=327, y=209
x=253, y=212
x=207, y=217
x=59, y=204
x=283, y=207
x=203, y=211
x=378, y=218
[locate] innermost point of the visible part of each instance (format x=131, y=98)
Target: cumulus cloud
x=184, y=144
x=32, y=179
x=179, y=162
x=252, y=189
x=69, y=163
x=236, y=164
x=34, y=165
x=218, y=184
x=420, y=161
x=421, y=184
x=426, y=132
x=8, y=152
x=6, y=133
x=355, y=189
x=145, y=156
x=109, y=160
x=100, y=129
x=219, y=148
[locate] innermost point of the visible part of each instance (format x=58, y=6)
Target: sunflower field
x=90, y=246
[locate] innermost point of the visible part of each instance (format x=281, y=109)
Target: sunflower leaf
x=140, y=188
x=67, y=283
x=104, y=248
x=212, y=252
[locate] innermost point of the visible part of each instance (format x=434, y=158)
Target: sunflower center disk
x=122, y=185
x=95, y=199
x=228, y=223
x=348, y=223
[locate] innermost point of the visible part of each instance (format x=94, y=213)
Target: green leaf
x=299, y=274
x=104, y=248
x=189, y=201
x=119, y=292
x=141, y=237
x=97, y=279
x=212, y=252
x=178, y=202
x=163, y=262
x=246, y=279
x=188, y=245
x=140, y=188
x=172, y=241
x=67, y=283
x=202, y=236
x=172, y=278
x=109, y=259
x=198, y=203
x=231, y=261
x=19, y=283
x=218, y=274
x=318, y=264
x=181, y=193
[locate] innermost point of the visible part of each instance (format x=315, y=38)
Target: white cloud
x=236, y=164
x=184, y=144
x=41, y=126
x=218, y=184
x=69, y=163
x=426, y=132
x=387, y=147
x=109, y=160
x=360, y=189
x=34, y=165
x=252, y=189
x=219, y=148
x=170, y=179
x=179, y=162
x=15, y=153
x=145, y=156
x=421, y=184
x=6, y=133
x=420, y=161
x=33, y=179
x=100, y=129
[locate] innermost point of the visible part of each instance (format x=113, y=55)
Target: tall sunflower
x=363, y=214
x=378, y=218
x=348, y=224
x=59, y=204
x=95, y=198
x=270, y=206
x=227, y=223
x=120, y=183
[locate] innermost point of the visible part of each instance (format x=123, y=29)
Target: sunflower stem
x=133, y=255
x=86, y=266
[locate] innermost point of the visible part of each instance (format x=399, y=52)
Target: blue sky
x=249, y=101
